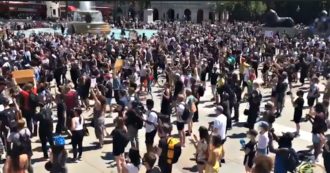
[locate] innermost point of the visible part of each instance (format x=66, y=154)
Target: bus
x=23, y=10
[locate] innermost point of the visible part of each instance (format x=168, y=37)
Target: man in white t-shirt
x=220, y=124
x=151, y=124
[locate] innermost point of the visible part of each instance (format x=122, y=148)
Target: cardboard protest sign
x=23, y=76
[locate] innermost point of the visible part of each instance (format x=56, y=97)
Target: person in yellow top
x=243, y=66
x=216, y=152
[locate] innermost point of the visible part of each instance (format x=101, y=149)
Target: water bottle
x=242, y=142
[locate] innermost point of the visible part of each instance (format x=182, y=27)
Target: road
x=101, y=161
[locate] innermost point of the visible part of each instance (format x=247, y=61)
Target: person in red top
x=28, y=111
x=71, y=101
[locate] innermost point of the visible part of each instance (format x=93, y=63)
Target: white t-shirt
x=263, y=141
x=151, y=117
x=220, y=123
x=131, y=168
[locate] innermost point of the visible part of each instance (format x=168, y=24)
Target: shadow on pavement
x=36, y=160
x=237, y=135
x=240, y=124
x=192, y=169
x=212, y=115
x=108, y=156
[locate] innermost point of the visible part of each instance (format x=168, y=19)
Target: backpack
x=11, y=118
x=291, y=162
x=173, y=150
x=46, y=114
x=33, y=100
x=139, y=122
x=23, y=145
x=186, y=113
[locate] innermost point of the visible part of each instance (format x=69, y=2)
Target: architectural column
x=216, y=16
x=194, y=15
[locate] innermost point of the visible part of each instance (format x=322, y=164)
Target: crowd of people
x=228, y=56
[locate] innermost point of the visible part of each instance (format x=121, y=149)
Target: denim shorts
x=262, y=151
x=316, y=138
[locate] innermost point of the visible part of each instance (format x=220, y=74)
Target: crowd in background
x=228, y=56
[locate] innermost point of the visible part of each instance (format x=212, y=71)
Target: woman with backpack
x=58, y=156
x=21, y=151
x=77, y=130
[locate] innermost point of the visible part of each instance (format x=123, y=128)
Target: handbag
x=246, y=110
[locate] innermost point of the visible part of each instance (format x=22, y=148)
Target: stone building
x=195, y=11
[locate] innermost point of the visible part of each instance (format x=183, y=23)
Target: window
x=54, y=12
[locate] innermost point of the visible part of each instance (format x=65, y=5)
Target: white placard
x=269, y=34
x=93, y=82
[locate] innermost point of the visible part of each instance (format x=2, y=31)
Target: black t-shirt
x=179, y=86
x=252, y=147
x=299, y=102
x=108, y=93
x=120, y=141
x=131, y=117
x=214, y=78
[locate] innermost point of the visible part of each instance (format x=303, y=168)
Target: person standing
x=58, y=156
x=326, y=156
x=165, y=163
x=71, y=101
x=220, y=124
x=27, y=107
x=77, y=130
x=180, y=122
x=298, y=110
x=151, y=125
x=313, y=93
x=201, y=146
x=166, y=108
x=263, y=139
x=250, y=150
x=191, y=101
x=216, y=152
x=254, y=107
x=45, y=127
x=99, y=115
x=60, y=106
x=120, y=141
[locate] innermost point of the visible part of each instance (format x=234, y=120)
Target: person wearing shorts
x=180, y=123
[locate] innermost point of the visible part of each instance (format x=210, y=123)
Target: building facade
x=195, y=11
